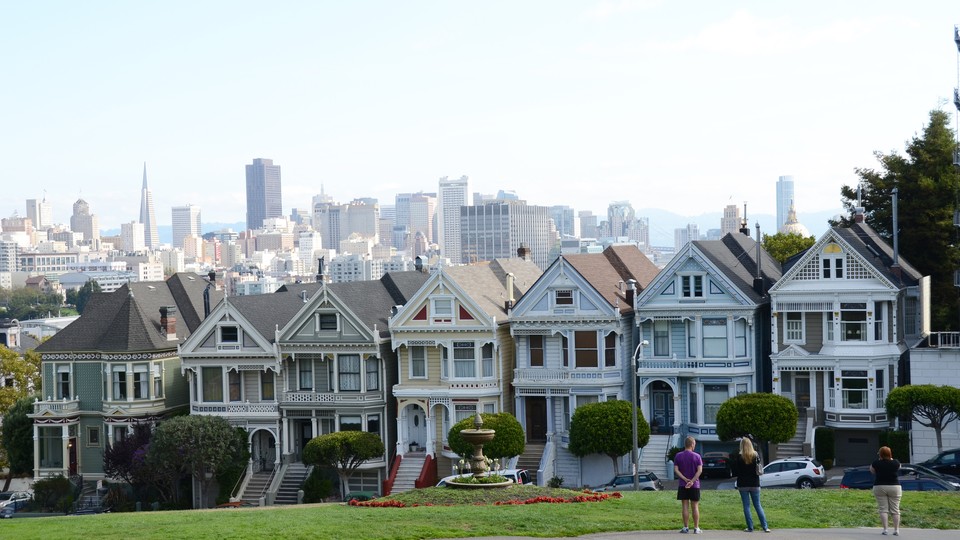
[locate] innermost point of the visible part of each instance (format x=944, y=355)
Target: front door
x=416, y=429
x=306, y=433
x=536, y=419
x=72, y=447
x=801, y=387
x=661, y=418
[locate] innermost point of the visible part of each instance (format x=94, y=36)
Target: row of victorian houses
x=411, y=354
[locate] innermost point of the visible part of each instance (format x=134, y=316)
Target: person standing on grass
x=748, y=482
x=688, y=466
x=886, y=488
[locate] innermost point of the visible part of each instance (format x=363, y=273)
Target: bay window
x=233, y=381
x=349, y=372
x=853, y=385
x=713, y=396
x=740, y=338
x=486, y=356
x=373, y=374
x=535, y=344
x=661, y=338
x=141, y=381
x=853, y=321
x=585, y=345
x=714, y=338
x=119, y=379
x=212, y=384
x=464, y=359
x=610, y=350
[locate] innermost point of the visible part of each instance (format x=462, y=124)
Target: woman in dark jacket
x=886, y=488
x=748, y=483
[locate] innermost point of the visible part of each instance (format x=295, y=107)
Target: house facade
x=574, y=337
x=704, y=322
x=843, y=316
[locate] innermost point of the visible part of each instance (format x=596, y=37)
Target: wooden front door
x=536, y=419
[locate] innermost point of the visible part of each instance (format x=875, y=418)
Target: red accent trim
x=465, y=315
x=388, y=483
x=428, y=474
x=421, y=315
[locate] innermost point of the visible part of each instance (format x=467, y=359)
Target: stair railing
x=236, y=494
x=392, y=475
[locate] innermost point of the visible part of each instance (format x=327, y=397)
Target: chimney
x=631, y=291
x=418, y=264
x=168, y=322
x=320, y=270
x=758, y=279
x=508, y=305
x=744, y=229
x=523, y=251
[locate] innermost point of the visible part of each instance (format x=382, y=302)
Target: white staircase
x=793, y=447
x=293, y=479
x=257, y=487
x=653, y=456
x=408, y=472
x=530, y=460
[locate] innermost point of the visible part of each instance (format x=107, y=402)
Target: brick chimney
x=168, y=322
x=523, y=252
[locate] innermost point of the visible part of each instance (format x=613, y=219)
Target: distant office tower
x=147, y=216
x=730, y=222
x=9, y=256
x=451, y=196
x=82, y=221
x=423, y=215
x=563, y=220
x=687, y=234
x=362, y=217
x=642, y=236
x=622, y=219
x=784, y=199
x=263, y=192
x=186, y=222
x=40, y=213
x=132, y=236
x=496, y=230
x=588, y=224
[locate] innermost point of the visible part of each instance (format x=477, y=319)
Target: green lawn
x=785, y=508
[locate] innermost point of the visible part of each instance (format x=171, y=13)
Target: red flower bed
x=587, y=496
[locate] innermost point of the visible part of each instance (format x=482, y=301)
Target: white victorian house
x=704, y=319
x=844, y=314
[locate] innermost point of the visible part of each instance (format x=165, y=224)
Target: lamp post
x=633, y=386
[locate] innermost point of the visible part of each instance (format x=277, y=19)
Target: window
x=694, y=405
x=661, y=338
x=442, y=310
x=691, y=286
x=585, y=343
x=794, y=327
x=229, y=334
x=691, y=328
x=536, y=350
x=565, y=350
x=853, y=385
x=351, y=423
x=486, y=356
x=327, y=321
x=157, y=381
x=63, y=381
x=120, y=432
x=212, y=383
x=714, y=338
x=119, y=382
x=587, y=399
x=373, y=423
x=266, y=386
x=832, y=261
x=444, y=370
x=462, y=412
x=349, y=367
x=740, y=338
x=490, y=408
x=878, y=321
x=141, y=381
x=853, y=321
x=373, y=374
x=93, y=436
x=464, y=359
x=610, y=350
x=830, y=319
x=418, y=363
x=563, y=297
x=305, y=369
x=233, y=380
x=713, y=396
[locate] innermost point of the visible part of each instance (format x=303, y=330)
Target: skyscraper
x=496, y=229
x=186, y=222
x=40, y=213
x=147, y=216
x=451, y=196
x=264, y=199
x=82, y=221
x=730, y=222
x=784, y=199
x=622, y=219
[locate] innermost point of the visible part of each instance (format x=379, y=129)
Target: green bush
x=672, y=453
x=823, y=439
x=54, y=493
x=899, y=443
x=507, y=442
x=766, y=417
x=555, y=482
x=318, y=486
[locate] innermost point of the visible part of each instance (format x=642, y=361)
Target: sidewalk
x=801, y=534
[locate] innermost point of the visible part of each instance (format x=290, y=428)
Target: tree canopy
x=126, y=459
x=605, y=428
x=16, y=436
x=929, y=405
x=507, y=442
x=80, y=296
x=927, y=184
x=344, y=451
x=782, y=246
x=23, y=303
x=765, y=417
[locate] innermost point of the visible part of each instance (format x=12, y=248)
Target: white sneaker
x=684, y=530
x=698, y=530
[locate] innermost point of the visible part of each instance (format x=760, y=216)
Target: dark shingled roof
x=128, y=319
x=736, y=256
x=604, y=271
x=875, y=249
x=267, y=312
x=371, y=301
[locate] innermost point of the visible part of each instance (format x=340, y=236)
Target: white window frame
x=661, y=348
x=563, y=298
x=59, y=371
x=710, y=408
x=797, y=334
x=141, y=371
x=707, y=352
x=463, y=347
x=441, y=309
x=414, y=362
x=319, y=322
x=689, y=288
x=221, y=340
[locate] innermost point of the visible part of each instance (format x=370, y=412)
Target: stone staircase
x=653, y=457
x=408, y=472
x=530, y=460
x=293, y=480
x=256, y=488
x=793, y=447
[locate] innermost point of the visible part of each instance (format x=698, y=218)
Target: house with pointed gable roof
x=703, y=324
x=574, y=336
x=454, y=352
x=845, y=313
x=116, y=365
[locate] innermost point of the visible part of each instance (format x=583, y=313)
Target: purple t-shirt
x=687, y=463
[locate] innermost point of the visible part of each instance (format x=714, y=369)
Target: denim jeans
x=745, y=497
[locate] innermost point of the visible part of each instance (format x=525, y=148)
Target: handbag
x=759, y=465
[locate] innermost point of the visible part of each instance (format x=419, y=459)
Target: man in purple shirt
x=687, y=466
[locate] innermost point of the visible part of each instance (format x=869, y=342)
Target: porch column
x=65, y=442
x=431, y=427
x=287, y=448
x=36, y=452
x=676, y=411
x=336, y=374
x=550, y=420
x=645, y=403
x=402, y=413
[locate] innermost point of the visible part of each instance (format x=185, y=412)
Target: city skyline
x=572, y=104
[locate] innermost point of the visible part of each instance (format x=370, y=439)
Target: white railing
x=881, y=399
x=230, y=409
x=330, y=397
x=59, y=407
x=855, y=399
x=671, y=363
x=540, y=375
x=945, y=340
x=136, y=406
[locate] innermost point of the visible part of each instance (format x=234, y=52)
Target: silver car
x=624, y=482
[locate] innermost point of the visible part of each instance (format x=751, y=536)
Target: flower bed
x=586, y=496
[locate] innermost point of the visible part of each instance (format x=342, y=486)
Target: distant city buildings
x=40, y=213
x=186, y=222
x=497, y=230
x=264, y=198
x=784, y=198
x=730, y=222
x=148, y=217
x=82, y=221
x=452, y=195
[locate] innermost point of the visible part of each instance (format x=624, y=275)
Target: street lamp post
x=636, y=450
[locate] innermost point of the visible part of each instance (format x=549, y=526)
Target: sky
x=685, y=106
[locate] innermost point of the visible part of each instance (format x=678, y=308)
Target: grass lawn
x=786, y=508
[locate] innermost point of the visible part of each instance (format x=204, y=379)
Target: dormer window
x=563, y=297
x=327, y=322
x=229, y=334
x=831, y=262
x=691, y=286
x=442, y=310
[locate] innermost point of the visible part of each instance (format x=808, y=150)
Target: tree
x=344, y=451
x=199, y=446
x=929, y=405
x=24, y=373
x=507, y=442
x=126, y=459
x=24, y=303
x=782, y=246
x=604, y=428
x=16, y=435
x=765, y=417
x=927, y=185
x=80, y=297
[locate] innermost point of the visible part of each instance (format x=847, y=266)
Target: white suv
x=802, y=472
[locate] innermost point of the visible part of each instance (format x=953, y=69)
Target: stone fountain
x=477, y=437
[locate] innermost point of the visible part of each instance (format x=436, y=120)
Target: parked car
x=861, y=478
x=519, y=476
x=11, y=497
x=648, y=481
x=926, y=484
x=9, y=510
x=717, y=464
x=802, y=472
x=946, y=462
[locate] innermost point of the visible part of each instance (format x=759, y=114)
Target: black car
x=717, y=464
x=862, y=478
x=926, y=484
x=946, y=462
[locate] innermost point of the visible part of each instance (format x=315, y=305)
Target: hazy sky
x=685, y=106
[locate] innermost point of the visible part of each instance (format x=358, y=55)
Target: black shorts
x=688, y=494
